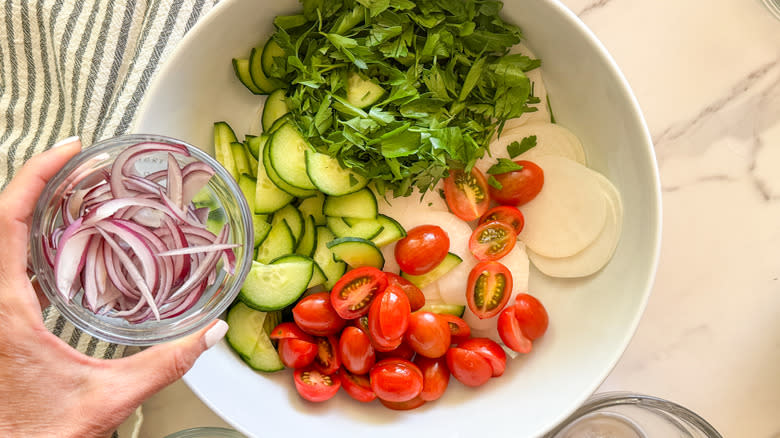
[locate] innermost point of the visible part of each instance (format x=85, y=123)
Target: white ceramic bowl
x=592, y=319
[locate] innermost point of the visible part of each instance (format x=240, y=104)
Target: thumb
x=149, y=371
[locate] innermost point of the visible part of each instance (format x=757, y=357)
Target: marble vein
x=593, y=6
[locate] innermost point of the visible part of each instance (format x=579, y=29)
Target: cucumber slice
x=252, y=161
x=356, y=252
x=317, y=277
x=247, y=335
x=261, y=228
x=323, y=256
x=255, y=68
x=350, y=227
x=279, y=242
x=271, y=50
x=281, y=121
x=308, y=239
x=280, y=183
x=313, y=207
x=443, y=308
x=241, y=67
x=450, y=261
x=223, y=137
x=277, y=285
x=329, y=177
x=239, y=156
x=248, y=186
x=254, y=143
x=268, y=197
x=391, y=232
x=294, y=220
x=287, y=155
x=361, y=205
x=362, y=92
x=275, y=107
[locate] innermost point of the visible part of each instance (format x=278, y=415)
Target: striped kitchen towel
x=80, y=67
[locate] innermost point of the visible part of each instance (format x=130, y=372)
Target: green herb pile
x=449, y=83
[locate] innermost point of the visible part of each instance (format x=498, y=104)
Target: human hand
x=48, y=388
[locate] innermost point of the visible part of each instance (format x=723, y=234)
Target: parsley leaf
x=494, y=183
x=514, y=149
x=503, y=166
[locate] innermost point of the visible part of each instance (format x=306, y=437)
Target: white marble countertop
x=707, y=76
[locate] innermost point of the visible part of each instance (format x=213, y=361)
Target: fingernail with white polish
x=65, y=141
x=215, y=333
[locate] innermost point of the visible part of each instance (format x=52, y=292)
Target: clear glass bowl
x=87, y=167
x=627, y=415
x=206, y=432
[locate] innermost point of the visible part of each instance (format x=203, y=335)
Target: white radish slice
x=568, y=213
x=542, y=113
x=432, y=294
x=551, y=139
x=517, y=263
x=596, y=255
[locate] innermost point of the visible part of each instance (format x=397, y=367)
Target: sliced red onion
x=197, y=249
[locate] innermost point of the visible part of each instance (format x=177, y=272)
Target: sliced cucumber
x=308, y=239
x=323, y=256
x=361, y=205
x=261, y=228
x=241, y=67
x=450, y=261
x=350, y=227
x=239, y=156
x=275, y=107
x=271, y=50
x=287, y=155
x=223, y=137
x=391, y=232
x=280, y=183
x=268, y=196
x=313, y=207
x=277, y=285
x=329, y=177
x=279, y=242
x=356, y=252
x=443, y=308
x=281, y=121
x=252, y=161
x=294, y=220
x=248, y=186
x=253, y=144
x=248, y=336
x=255, y=68
x=317, y=277
x=362, y=92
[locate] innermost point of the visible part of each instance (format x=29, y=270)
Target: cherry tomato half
x=459, y=329
x=510, y=333
x=428, y=334
x=388, y=318
x=315, y=315
x=436, y=376
x=415, y=295
x=492, y=240
x=469, y=367
x=314, y=386
x=518, y=186
x=396, y=380
x=289, y=330
x=489, y=288
x=531, y=315
x=403, y=351
x=423, y=248
x=357, y=386
x=490, y=350
x=507, y=214
x=296, y=353
x=354, y=291
x=467, y=194
x=405, y=405
x=327, y=360
x=355, y=350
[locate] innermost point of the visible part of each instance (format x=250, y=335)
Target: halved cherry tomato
x=436, y=376
x=467, y=194
x=289, y=330
x=423, y=248
x=354, y=291
x=355, y=350
x=469, y=367
x=489, y=287
x=403, y=351
x=405, y=405
x=315, y=315
x=518, y=186
x=490, y=350
x=507, y=214
x=296, y=353
x=357, y=386
x=459, y=329
x=531, y=315
x=327, y=360
x=396, y=380
x=415, y=295
x=314, y=386
x=492, y=240
x=509, y=330
x=388, y=318
x=428, y=334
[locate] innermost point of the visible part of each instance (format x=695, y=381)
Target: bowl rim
x=138, y=336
